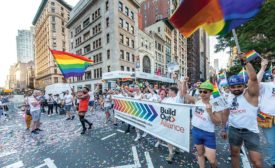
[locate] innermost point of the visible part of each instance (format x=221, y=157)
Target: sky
x=18, y=14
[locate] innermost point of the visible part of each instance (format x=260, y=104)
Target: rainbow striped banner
x=140, y=110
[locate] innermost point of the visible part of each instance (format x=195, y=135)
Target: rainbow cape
x=217, y=17
x=216, y=92
x=251, y=55
x=70, y=64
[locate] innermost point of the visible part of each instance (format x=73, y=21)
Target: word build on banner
x=168, y=122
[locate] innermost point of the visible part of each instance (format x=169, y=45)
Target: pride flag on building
x=71, y=65
x=217, y=17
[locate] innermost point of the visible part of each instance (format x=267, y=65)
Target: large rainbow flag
x=217, y=17
x=71, y=65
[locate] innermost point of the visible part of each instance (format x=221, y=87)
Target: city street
x=61, y=145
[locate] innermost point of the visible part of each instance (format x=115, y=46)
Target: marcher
x=83, y=108
x=50, y=102
x=35, y=110
x=243, y=126
x=267, y=109
x=68, y=102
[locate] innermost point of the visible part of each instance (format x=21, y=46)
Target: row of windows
x=97, y=43
x=126, y=41
x=126, y=26
x=98, y=58
x=122, y=68
x=125, y=10
x=127, y=56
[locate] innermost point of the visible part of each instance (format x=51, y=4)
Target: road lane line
x=77, y=130
x=120, y=131
x=108, y=136
x=125, y=166
x=136, y=159
x=148, y=160
x=7, y=153
x=18, y=164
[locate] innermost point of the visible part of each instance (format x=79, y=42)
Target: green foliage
x=258, y=34
x=234, y=70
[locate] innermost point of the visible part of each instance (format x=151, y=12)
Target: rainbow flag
x=70, y=64
x=216, y=92
x=222, y=75
x=217, y=17
x=251, y=55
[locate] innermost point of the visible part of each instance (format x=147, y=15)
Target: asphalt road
x=61, y=145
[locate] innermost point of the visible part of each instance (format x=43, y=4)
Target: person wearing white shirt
x=92, y=98
x=68, y=102
x=35, y=110
x=267, y=107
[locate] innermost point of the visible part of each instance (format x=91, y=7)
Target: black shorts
x=250, y=139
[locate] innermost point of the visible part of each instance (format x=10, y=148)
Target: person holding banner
x=266, y=116
x=242, y=116
x=203, y=122
x=83, y=108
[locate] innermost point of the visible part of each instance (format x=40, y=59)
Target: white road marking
x=48, y=162
x=108, y=136
x=76, y=131
x=125, y=166
x=120, y=131
x=18, y=164
x=148, y=160
x=244, y=158
x=7, y=153
x=136, y=159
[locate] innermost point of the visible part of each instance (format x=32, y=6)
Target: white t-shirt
x=137, y=96
x=92, y=97
x=107, y=101
x=68, y=99
x=267, y=98
x=154, y=98
x=33, y=100
x=242, y=114
x=201, y=118
x=176, y=99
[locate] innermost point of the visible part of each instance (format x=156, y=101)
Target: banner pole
x=236, y=41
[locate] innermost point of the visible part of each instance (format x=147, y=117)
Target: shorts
x=250, y=139
x=201, y=137
x=68, y=108
x=36, y=115
x=91, y=103
x=107, y=108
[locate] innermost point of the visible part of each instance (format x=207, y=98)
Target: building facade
x=50, y=32
x=24, y=45
x=105, y=31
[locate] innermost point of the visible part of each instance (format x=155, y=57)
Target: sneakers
x=137, y=138
x=72, y=118
x=169, y=159
x=38, y=129
x=144, y=134
x=68, y=119
x=157, y=144
x=34, y=132
x=83, y=132
x=90, y=126
x=127, y=131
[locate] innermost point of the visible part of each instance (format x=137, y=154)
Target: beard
x=237, y=92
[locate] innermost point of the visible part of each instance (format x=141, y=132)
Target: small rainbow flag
x=216, y=92
x=70, y=64
x=217, y=17
x=251, y=55
x=221, y=75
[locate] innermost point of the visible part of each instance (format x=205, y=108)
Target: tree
x=258, y=33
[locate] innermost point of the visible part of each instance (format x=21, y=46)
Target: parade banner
x=168, y=122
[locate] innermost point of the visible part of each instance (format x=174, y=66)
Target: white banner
x=168, y=122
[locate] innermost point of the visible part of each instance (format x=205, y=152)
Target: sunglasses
x=203, y=91
x=236, y=87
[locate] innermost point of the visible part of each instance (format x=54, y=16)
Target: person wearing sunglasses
x=267, y=107
x=203, y=121
x=242, y=116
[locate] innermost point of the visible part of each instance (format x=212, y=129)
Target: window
x=78, y=41
x=108, y=38
x=99, y=42
x=127, y=41
x=93, y=16
x=98, y=11
x=159, y=29
x=128, y=68
x=53, y=27
x=79, y=52
x=86, y=36
x=53, y=18
x=127, y=11
x=87, y=48
x=121, y=39
x=72, y=45
x=109, y=68
x=120, y=6
x=121, y=22
x=132, y=30
x=61, y=8
x=107, y=5
x=55, y=79
x=121, y=54
x=78, y=29
x=88, y=75
x=128, y=56
x=133, y=44
x=133, y=58
x=86, y=22
x=63, y=30
x=122, y=68
x=132, y=15
x=63, y=23
x=72, y=34
x=55, y=71
x=107, y=22
x=108, y=54
x=127, y=26
x=53, y=10
x=52, y=3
